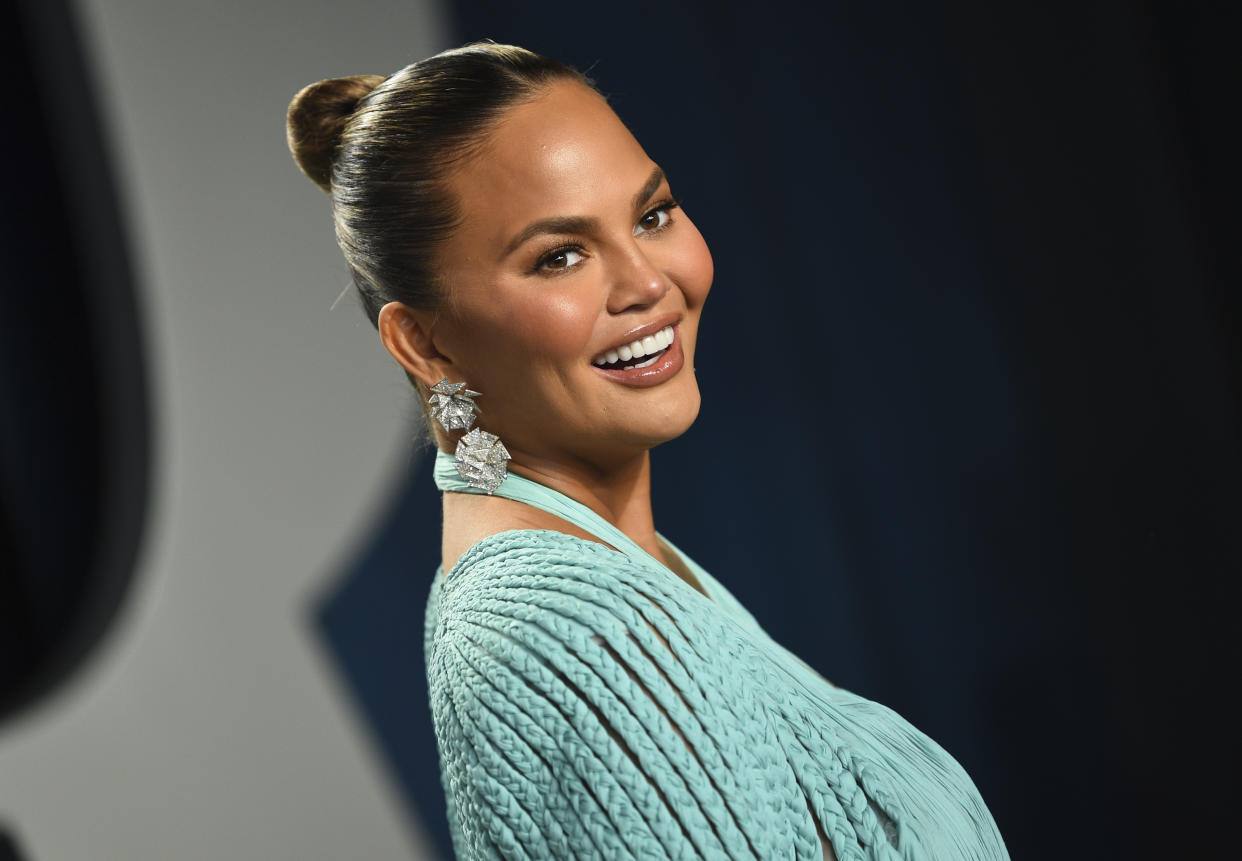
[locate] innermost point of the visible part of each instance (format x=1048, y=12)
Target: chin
x=675, y=423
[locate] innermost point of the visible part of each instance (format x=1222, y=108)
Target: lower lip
x=666, y=366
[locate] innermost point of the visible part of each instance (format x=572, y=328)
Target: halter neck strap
x=546, y=499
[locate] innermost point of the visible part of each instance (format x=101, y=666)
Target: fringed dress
x=589, y=703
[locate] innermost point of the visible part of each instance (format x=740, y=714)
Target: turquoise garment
x=589, y=703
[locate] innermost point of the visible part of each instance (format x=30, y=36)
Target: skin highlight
x=570, y=240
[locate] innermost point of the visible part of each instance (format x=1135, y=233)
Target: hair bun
x=316, y=117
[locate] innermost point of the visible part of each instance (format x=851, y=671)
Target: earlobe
x=406, y=334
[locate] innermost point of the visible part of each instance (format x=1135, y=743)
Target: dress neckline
x=544, y=498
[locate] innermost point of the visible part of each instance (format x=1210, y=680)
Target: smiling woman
x=570, y=245
x=595, y=692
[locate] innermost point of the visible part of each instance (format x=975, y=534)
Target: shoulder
x=540, y=602
x=562, y=673
x=472, y=518
x=532, y=615
x=518, y=551
x=541, y=586
x=547, y=578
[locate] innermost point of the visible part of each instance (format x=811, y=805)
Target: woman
x=594, y=691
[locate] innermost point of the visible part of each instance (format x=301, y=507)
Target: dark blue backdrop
x=969, y=435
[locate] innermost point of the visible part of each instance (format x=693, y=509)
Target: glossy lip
x=641, y=332
x=669, y=363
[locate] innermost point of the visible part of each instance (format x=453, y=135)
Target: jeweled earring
x=452, y=405
x=481, y=457
x=482, y=460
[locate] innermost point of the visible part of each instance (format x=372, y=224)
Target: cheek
x=695, y=269
x=571, y=312
x=556, y=322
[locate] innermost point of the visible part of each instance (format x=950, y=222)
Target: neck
x=619, y=492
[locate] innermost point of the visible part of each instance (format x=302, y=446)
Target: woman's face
x=571, y=247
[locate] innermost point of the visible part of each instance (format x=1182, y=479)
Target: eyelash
x=666, y=205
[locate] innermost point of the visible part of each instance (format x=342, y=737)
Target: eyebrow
x=578, y=223
x=649, y=188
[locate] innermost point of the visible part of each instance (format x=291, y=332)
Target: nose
x=637, y=282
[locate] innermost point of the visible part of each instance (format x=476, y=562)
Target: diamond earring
x=481, y=460
x=452, y=405
x=481, y=457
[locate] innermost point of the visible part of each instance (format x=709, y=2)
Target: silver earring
x=481, y=457
x=452, y=405
x=481, y=460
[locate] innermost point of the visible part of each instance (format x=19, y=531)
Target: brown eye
x=560, y=260
x=653, y=220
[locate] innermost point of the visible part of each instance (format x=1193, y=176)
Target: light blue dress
x=589, y=703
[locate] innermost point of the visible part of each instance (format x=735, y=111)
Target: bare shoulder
x=469, y=518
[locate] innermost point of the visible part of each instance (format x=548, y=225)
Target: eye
x=559, y=259
x=656, y=219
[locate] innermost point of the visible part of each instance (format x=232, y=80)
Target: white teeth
x=656, y=343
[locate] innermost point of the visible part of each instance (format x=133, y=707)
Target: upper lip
x=637, y=334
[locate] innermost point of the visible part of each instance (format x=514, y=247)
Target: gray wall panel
x=213, y=726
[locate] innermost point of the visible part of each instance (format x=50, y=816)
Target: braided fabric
x=588, y=703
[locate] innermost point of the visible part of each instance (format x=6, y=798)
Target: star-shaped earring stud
x=452, y=405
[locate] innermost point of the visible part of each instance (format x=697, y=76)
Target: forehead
x=564, y=152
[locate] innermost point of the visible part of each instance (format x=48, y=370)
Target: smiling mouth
x=641, y=353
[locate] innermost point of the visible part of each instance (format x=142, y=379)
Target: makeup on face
x=578, y=283
x=646, y=355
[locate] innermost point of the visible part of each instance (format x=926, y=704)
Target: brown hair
x=382, y=147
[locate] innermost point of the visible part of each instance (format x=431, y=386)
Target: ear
x=406, y=334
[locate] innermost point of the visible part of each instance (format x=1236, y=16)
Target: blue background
x=969, y=434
